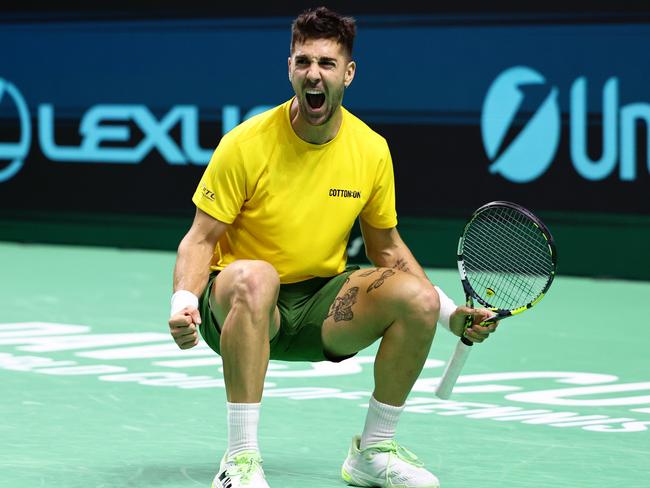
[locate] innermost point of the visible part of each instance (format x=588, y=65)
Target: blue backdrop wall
x=117, y=117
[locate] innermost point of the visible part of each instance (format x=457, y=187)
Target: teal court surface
x=96, y=394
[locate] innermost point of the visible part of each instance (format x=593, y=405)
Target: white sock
x=381, y=423
x=243, y=419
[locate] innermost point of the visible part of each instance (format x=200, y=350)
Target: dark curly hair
x=323, y=23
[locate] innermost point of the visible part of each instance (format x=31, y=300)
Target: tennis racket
x=507, y=262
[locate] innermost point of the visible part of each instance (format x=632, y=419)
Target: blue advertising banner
x=122, y=116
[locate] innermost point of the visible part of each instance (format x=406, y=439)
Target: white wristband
x=182, y=299
x=447, y=307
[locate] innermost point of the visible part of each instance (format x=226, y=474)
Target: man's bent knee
x=422, y=304
x=253, y=285
x=255, y=280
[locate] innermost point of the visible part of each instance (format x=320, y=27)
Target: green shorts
x=303, y=308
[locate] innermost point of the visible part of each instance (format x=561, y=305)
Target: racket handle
x=453, y=369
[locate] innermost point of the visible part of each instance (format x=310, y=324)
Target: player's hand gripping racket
x=506, y=261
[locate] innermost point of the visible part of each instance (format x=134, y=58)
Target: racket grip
x=453, y=369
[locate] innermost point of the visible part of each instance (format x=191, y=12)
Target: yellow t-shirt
x=292, y=203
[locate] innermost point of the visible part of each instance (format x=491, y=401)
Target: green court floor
x=95, y=393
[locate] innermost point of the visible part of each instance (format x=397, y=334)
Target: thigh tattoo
x=341, y=308
x=380, y=281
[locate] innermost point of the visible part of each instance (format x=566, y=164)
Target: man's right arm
x=191, y=276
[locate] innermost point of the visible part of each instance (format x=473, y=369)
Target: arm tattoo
x=341, y=309
x=401, y=265
x=380, y=281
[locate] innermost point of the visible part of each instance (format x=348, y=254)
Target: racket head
x=507, y=258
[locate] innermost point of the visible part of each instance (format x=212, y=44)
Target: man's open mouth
x=315, y=100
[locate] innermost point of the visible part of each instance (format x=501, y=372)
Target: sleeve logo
x=207, y=193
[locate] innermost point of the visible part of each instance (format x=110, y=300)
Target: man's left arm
x=385, y=248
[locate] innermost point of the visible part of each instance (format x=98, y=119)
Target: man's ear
x=349, y=73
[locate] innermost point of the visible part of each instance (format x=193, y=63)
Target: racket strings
x=517, y=280
x=504, y=291
x=511, y=279
x=498, y=250
x=506, y=258
x=510, y=262
x=518, y=271
x=525, y=238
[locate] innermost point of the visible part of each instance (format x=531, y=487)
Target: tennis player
x=262, y=271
